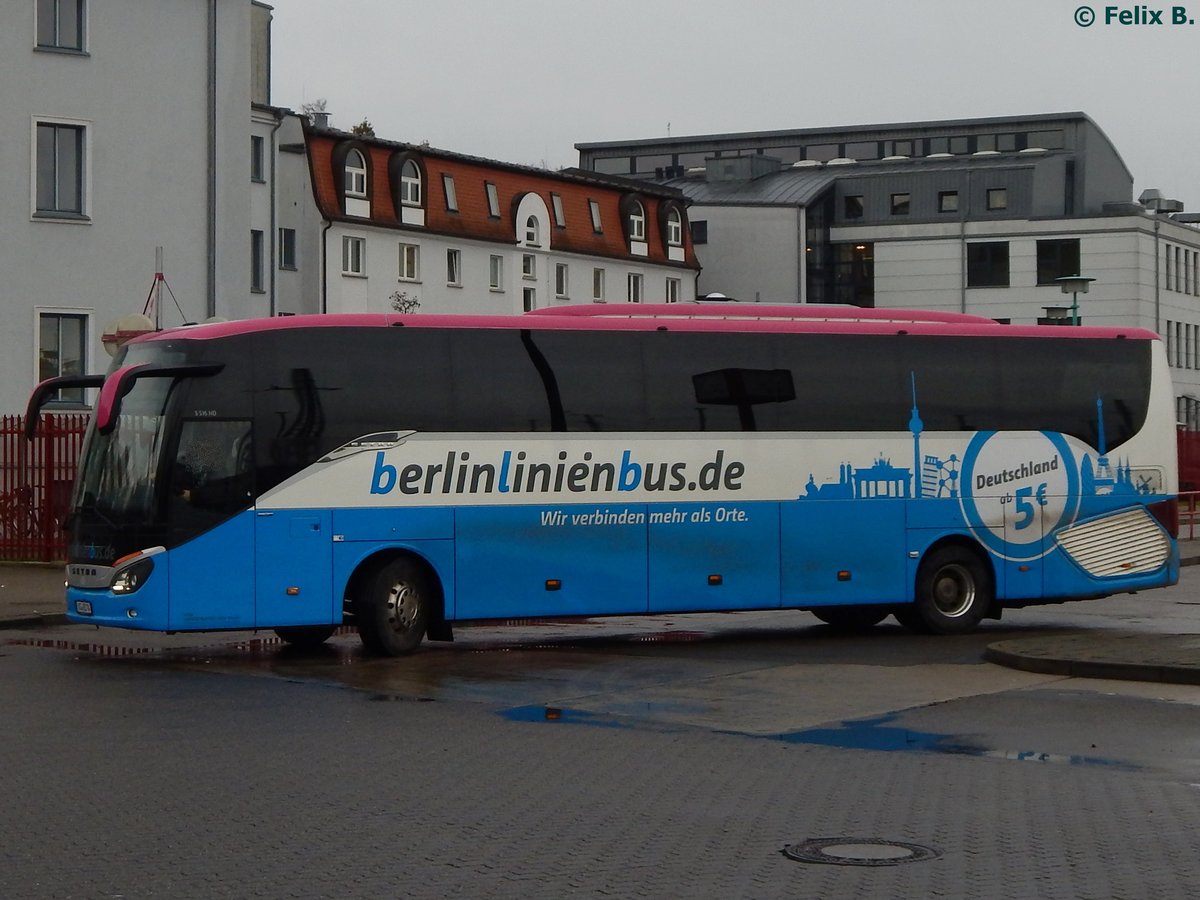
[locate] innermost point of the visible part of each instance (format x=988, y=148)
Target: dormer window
x=633, y=214
x=674, y=228
x=410, y=184
x=531, y=223
x=637, y=222
x=406, y=185
x=355, y=184
x=356, y=175
x=671, y=223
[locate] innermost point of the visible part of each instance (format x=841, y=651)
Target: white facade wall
x=346, y=293
x=140, y=91
x=752, y=253
x=918, y=269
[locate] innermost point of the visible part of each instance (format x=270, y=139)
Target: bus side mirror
x=45, y=390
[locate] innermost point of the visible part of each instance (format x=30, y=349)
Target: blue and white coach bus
x=404, y=473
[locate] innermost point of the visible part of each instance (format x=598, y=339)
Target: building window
x=62, y=339
x=496, y=273
x=1057, y=259
x=493, y=198
x=900, y=204
x=997, y=198
x=1167, y=282
x=852, y=206
x=533, y=234
x=637, y=222
x=560, y=281
x=560, y=218
x=356, y=175
x=529, y=299
x=257, y=158
x=60, y=169
x=451, y=197
x=700, y=231
x=287, y=248
x=947, y=201
x=410, y=184
x=987, y=264
x=635, y=288
x=410, y=262
x=256, y=261
x=598, y=285
x=528, y=266
x=673, y=286
x=595, y=210
x=1179, y=270
x=354, y=256
x=454, y=268
x=674, y=228
x=60, y=24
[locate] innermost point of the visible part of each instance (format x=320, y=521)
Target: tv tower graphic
x=933, y=477
x=916, y=426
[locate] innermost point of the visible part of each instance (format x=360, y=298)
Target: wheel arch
x=970, y=545
x=377, y=558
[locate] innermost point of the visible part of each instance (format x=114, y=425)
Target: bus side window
x=213, y=468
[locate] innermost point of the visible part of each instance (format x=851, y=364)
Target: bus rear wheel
x=305, y=636
x=851, y=618
x=954, y=591
x=392, y=608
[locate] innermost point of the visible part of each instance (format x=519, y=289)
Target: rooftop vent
x=807, y=164
x=841, y=161
x=1033, y=150
x=986, y=153
x=940, y=156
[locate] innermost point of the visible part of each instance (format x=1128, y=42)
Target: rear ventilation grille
x=1128, y=543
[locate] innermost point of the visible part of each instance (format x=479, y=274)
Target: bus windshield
x=117, y=492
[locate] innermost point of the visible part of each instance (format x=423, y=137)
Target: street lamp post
x=1074, y=285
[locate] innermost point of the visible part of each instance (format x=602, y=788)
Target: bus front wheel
x=392, y=608
x=954, y=591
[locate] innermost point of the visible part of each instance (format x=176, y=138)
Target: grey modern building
x=972, y=215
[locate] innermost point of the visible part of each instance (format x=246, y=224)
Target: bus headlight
x=130, y=579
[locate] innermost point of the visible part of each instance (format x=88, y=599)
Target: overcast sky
x=524, y=80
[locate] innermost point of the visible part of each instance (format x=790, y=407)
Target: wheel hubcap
x=953, y=590
x=402, y=604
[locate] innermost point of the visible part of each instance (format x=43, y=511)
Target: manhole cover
x=848, y=851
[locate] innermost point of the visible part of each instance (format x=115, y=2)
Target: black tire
x=392, y=607
x=305, y=636
x=850, y=618
x=954, y=591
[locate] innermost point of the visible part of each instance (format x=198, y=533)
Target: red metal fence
x=35, y=484
x=1189, y=460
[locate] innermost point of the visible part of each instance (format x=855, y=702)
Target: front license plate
x=83, y=607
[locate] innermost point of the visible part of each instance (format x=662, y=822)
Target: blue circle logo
x=1017, y=488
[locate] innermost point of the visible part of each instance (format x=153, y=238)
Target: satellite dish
x=116, y=333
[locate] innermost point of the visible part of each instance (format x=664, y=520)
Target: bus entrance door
x=294, y=570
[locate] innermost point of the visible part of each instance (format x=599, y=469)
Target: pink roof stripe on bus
x=673, y=317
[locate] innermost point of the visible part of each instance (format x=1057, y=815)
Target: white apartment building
x=125, y=128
